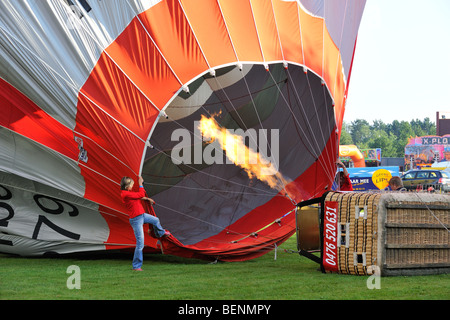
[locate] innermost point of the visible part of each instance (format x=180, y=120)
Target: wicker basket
x=399, y=233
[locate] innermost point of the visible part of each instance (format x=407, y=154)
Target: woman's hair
x=125, y=183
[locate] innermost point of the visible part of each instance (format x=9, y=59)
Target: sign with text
x=330, y=219
x=372, y=178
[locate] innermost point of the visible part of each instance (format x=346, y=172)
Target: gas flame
x=256, y=165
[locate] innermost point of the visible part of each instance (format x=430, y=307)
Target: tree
x=346, y=137
x=379, y=125
x=423, y=128
x=381, y=139
x=417, y=127
x=404, y=133
x=390, y=137
x=360, y=131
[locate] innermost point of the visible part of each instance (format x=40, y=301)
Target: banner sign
x=330, y=219
x=435, y=140
x=372, y=154
x=372, y=178
x=427, y=150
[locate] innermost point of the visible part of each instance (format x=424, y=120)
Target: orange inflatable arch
x=353, y=152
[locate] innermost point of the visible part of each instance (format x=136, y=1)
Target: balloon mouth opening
x=279, y=111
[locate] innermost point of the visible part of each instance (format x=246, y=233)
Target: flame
x=255, y=164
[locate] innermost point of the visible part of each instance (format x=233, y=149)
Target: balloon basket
x=384, y=233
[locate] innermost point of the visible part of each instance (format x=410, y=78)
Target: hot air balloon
x=94, y=90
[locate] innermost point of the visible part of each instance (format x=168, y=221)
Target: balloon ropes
x=172, y=91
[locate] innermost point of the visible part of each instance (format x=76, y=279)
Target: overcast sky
x=401, y=67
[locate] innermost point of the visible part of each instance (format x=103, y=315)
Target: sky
x=401, y=66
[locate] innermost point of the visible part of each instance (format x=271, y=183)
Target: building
x=394, y=162
x=442, y=123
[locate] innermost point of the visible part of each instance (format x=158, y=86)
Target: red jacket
x=347, y=186
x=132, y=202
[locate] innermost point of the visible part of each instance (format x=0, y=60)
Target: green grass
x=290, y=277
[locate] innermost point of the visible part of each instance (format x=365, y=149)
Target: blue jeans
x=137, y=224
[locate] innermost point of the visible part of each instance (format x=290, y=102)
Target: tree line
x=390, y=137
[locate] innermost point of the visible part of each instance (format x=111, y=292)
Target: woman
x=344, y=178
x=138, y=217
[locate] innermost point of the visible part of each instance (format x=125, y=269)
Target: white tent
x=443, y=165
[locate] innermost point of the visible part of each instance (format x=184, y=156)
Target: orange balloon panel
x=205, y=18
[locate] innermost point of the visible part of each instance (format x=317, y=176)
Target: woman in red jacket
x=344, y=178
x=138, y=217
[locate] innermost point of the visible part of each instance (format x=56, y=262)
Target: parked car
x=424, y=179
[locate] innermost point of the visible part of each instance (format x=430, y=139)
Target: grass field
x=290, y=277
